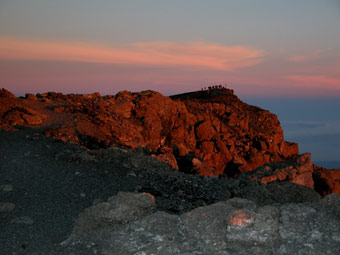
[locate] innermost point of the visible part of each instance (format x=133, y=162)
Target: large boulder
x=236, y=226
x=118, y=210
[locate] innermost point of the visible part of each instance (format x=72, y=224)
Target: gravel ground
x=49, y=193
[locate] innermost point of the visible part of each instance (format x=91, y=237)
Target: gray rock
x=22, y=220
x=157, y=232
x=248, y=228
x=6, y=188
x=6, y=207
x=118, y=210
x=236, y=226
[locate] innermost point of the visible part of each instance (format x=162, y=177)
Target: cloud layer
x=190, y=54
x=321, y=81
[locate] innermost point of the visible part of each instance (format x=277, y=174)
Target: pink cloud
x=309, y=56
x=297, y=59
x=191, y=54
x=321, y=81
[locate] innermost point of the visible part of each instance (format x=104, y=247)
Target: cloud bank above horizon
x=263, y=49
x=190, y=54
x=160, y=66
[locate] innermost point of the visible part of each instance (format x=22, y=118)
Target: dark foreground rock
x=45, y=184
x=177, y=192
x=235, y=226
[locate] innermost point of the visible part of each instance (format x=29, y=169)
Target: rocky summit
x=205, y=132
x=141, y=173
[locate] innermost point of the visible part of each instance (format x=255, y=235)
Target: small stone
x=6, y=188
x=7, y=207
x=23, y=220
x=82, y=195
x=131, y=174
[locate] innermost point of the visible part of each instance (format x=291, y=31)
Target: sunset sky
x=262, y=49
x=265, y=48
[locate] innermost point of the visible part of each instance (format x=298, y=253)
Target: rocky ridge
x=210, y=133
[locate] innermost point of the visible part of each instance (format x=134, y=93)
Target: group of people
x=214, y=87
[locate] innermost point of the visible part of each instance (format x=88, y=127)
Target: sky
x=268, y=51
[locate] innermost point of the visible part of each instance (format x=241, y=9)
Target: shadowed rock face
x=207, y=133
x=326, y=180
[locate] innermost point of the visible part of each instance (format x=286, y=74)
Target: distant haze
x=313, y=123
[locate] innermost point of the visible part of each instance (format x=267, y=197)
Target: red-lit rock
x=168, y=158
x=4, y=93
x=298, y=170
x=205, y=131
x=225, y=134
x=241, y=218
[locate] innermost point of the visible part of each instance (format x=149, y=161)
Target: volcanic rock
x=236, y=226
x=232, y=136
x=298, y=170
x=225, y=134
x=118, y=210
x=326, y=181
x=4, y=93
x=6, y=207
x=51, y=182
x=177, y=192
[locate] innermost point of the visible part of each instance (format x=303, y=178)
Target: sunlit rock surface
x=225, y=134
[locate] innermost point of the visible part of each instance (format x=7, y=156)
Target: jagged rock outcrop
x=207, y=133
x=4, y=93
x=236, y=226
x=14, y=113
x=298, y=170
